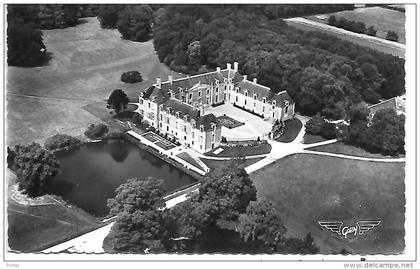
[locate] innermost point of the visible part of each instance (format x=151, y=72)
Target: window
x=201, y=128
x=255, y=97
x=246, y=93
x=191, y=96
x=208, y=91
x=167, y=120
x=236, y=98
x=217, y=97
x=208, y=100
x=184, y=128
x=264, y=100
x=199, y=94
x=192, y=135
x=224, y=88
x=263, y=108
x=255, y=104
x=213, y=137
x=185, y=137
x=167, y=128
x=149, y=104
x=141, y=101
x=245, y=101
x=160, y=125
x=237, y=90
x=217, y=89
x=286, y=109
x=161, y=117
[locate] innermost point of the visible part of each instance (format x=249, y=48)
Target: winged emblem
x=333, y=226
x=367, y=225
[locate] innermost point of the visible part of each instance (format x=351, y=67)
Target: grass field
x=86, y=66
x=342, y=148
x=216, y=164
x=309, y=138
x=382, y=19
x=306, y=189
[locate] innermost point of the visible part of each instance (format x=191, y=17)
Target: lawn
x=292, y=128
x=186, y=157
x=228, y=122
x=216, y=164
x=310, y=138
x=342, y=148
x=34, y=228
x=86, y=66
x=238, y=151
x=306, y=189
x=382, y=19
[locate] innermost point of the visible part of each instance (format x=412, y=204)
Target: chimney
x=171, y=79
x=218, y=70
x=228, y=66
x=245, y=77
x=254, y=81
x=159, y=82
x=235, y=66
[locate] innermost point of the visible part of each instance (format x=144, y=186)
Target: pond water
x=91, y=173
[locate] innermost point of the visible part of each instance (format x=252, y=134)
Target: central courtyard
x=253, y=127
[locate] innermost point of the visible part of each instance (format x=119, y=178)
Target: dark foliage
x=392, y=36
x=137, y=118
x=131, y=77
x=58, y=16
x=25, y=46
x=34, y=166
x=61, y=141
x=96, y=131
x=353, y=26
x=317, y=125
x=118, y=101
x=322, y=73
x=108, y=15
x=135, y=22
x=88, y=10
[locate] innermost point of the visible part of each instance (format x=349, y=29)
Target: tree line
x=322, y=73
x=354, y=26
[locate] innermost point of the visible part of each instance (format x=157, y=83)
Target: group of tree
x=383, y=133
x=118, y=101
x=318, y=125
x=61, y=141
x=322, y=73
x=354, y=26
x=227, y=196
x=97, y=131
x=134, y=22
x=34, y=167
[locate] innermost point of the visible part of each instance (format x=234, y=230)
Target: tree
x=131, y=77
x=95, y=131
x=371, y=31
x=135, y=22
x=60, y=141
x=386, y=133
x=118, y=101
x=35, y=168
x=261, y=224
x=108, y=15
x=314, y=125
x=229, y=190
x=137, y=195
x=392, y=36
x=25, y=46
x=194, y=54
x=358, y=118
x=58, y=16
x=332, y=20
x=138, y=232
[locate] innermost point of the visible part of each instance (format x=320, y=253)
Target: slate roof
x=263, y=91
x=207, y=121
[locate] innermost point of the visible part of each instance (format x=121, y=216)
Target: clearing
x=86, y=65
x=307, y=188
x=382, y=19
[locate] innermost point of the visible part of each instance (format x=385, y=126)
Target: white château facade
x=177, y=107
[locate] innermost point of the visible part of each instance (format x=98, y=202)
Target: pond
x=91, y=173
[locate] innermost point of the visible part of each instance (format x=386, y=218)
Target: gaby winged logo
x=361, y=227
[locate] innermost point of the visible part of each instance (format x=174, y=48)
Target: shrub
x=136, y=118
x=60, y=141
x=314, y=125
x=328, y=131
x=96, y=131
x=131, y=77
x=392, y=36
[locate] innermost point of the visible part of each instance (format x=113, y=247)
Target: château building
x=178, y=106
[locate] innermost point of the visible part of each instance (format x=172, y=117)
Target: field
x=382, y=19
x=306, y=189
x=86, y=66
x=292, y=128
x=342, y=148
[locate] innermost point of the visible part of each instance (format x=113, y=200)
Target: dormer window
x=201, y=128
x=181, y=90
x=177, y=114
x=255, y=97
x=274, y=104
x=225, y=80
x=264, y=100
x=246, y=93
x=193, y=123
x=286, y=103
x=230, y=80
x=213, y=126
x=217, y=82
x=237, y=89
x=185, y=117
